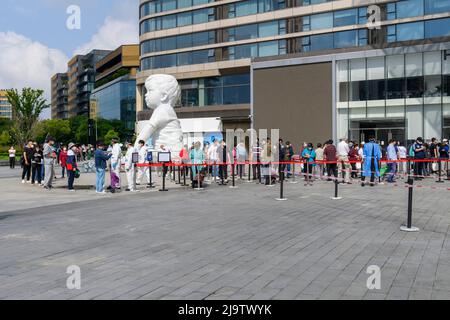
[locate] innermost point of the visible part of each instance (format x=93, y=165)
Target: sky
x=35, y=42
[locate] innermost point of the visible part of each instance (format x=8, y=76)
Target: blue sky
x=35, y=42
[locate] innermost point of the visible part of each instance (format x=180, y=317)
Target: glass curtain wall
x=397, y=96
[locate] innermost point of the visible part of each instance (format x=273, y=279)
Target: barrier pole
x=150, y=183
x=184, y=176
x=293, y=174
x=409, y=227
x=281, y=198
x=336, y=190
x=249, y=169
x=179, y=175
x=233, y=185
x=163, y=178
x=440, y=173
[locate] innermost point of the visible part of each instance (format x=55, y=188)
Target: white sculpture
x=164, y=127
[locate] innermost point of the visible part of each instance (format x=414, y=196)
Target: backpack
x=411, y=152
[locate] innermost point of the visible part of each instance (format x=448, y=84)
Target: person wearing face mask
x=101, y=158
x=419, y=154
x=197, y=156
x=309, y=155
x=129, y=168
x=353, y=157
x=71, y=165
x=372, y=156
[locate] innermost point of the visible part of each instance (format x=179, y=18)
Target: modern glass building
x=5, y=106
x=201, y=40
x=114, y=96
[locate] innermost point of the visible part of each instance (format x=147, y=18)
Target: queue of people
x=345, y=162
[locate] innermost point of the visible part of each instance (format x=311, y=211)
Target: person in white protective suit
x=115, y=164
x=163, y=92
x=129, y=167
x=142, y=171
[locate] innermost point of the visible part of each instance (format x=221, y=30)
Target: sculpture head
x=161, y=89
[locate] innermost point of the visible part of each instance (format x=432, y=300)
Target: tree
x=5, y=138
x=26, y=107
x=110, y=135
x=57, y=128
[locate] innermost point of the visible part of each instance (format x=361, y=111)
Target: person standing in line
x=330, y=155
x=434, y=154
x=27, y=156
x=281, y=155
x=49, y=162
x=391, y=156
x=101, y=158
x=63, y=161
x=197, y=156
x=353, y=157
x=256, y=159
x=402, y=155
x=444, y=157
x=213, y=158
x=142, y=171
x=241, y=158
x=115, y=165
x=372, y=157
x=224, y=159
x=419, y=154
x=71, y=165
x=129, y=167
x=184, y=156
x=266, y=159
x=318, y=169
x=36, y=164
x=310, y=156
x=342, y=150
x=12, y=157
x=289, y=152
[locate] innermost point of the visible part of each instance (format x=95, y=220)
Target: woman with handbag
x=72, y=168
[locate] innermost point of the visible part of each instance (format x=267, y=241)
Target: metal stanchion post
x=184, y=176
x=150, y=183
x=179, y=174
x=281, y=198
x=163, y=178
x=440, y=171
x=233, y=185
x=249, y=169
x=336, y=190
x=409, y=227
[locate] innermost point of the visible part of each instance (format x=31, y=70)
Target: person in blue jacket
x=372, y=156
x=101, y=157
x=309, y=155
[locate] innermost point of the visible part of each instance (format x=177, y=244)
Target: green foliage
x=26, y=107
x=5, y=138
x=59, y=129
x=110, y=135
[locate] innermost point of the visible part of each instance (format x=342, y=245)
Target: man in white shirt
x=342, y=152
x=402, y=155
x=115, y=165
x=213, y=157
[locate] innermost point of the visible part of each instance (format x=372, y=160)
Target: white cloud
x=27, y=63
x=112, y=34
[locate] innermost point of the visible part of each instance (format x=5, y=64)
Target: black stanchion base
x=163, y=190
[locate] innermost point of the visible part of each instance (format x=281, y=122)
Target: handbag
x=76, y=173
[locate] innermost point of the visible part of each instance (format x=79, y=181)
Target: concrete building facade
x=5, y=106
x=59, y=87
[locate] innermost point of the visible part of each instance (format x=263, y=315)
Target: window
x=185, y=40
x=346, y=39
x=199, y=2
x=184, y=3
x=436, y=6
x=169, y=43
x=200, y=16
x=345, y=17
x=249, y=31
x=200, y=39
x=269, y=48
x=184, y=58
x=184, y=19
x=246, y=8
x=322, y=21
x=362, y=37
x=245, y=51
x=410, y=31
x=268, y=29
x=306, y=23
x=409, y=8
x=437, y=28
x=169, y=21
x=362, y=15
x=322, y=42
x=168, y=5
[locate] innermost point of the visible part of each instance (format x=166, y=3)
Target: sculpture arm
x=145, y=133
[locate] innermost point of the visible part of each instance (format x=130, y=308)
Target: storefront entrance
x=383, y=130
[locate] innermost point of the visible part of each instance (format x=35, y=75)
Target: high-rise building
x=315, y=69
x=114, y=95
x=81, y=78
x=5, y=106
x=59, y=105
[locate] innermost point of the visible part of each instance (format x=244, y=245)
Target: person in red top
x=353, y=157
x=329, y=154
x=63, y=161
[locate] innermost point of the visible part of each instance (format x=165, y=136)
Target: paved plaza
x=223, y=243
